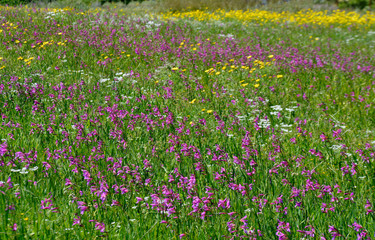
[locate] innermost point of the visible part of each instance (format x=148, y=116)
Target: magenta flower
x=3, y=148
x=100, y=227
x=77, y=221
x=14, y=227
x=323, y=137
x=182, y=235
x=224, y=203
x=68, y=182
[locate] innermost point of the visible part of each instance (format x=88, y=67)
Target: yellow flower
x=203, y=109
x=270, y=56
x=217, y=73
x=193, y=101
x=209, y=111
x=279, y=76
x=245, y=84
x=256, y=85
x=175, y=69
x=26, y=219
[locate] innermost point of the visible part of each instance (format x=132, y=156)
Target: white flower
x=336, y=147
x=286, y=130
x=277, y=108
x=241, y=117
x=34, y=168
x=103, y=80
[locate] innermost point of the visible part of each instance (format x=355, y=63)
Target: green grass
x=67, y=115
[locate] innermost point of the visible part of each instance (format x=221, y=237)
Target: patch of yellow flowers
x=324, y=18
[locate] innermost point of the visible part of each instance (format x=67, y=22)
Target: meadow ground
x=192, y=125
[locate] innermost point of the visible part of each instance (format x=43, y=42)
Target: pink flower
x=100, y=226
x=14, y=227
x=77, y=221
x=323, y=137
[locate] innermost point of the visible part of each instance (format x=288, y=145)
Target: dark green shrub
x=21, y=2
x=354, y=3
x=14, y=2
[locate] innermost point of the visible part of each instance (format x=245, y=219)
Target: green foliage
x=22, y=2
x=14, y=2
x=361, y=4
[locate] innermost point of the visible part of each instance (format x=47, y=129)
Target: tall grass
x=180, y=126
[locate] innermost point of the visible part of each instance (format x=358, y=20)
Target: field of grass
x=186, y=125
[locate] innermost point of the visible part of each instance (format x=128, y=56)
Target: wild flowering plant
x=196, y=125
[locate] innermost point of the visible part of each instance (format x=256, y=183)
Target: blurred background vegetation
x=178, y=5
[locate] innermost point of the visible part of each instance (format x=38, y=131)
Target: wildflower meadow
x=194, y=124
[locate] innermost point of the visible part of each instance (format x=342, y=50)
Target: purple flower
x=77, y=221
x=68, y=182
x=82, y=207
x=356, y=226
x=3, y=148
x=224, y=203
x=306, y=233
x=337, y=132
x=334, y=232
x=182, y=235
x=323, y=137
x=14, y=227
x=100, y=227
